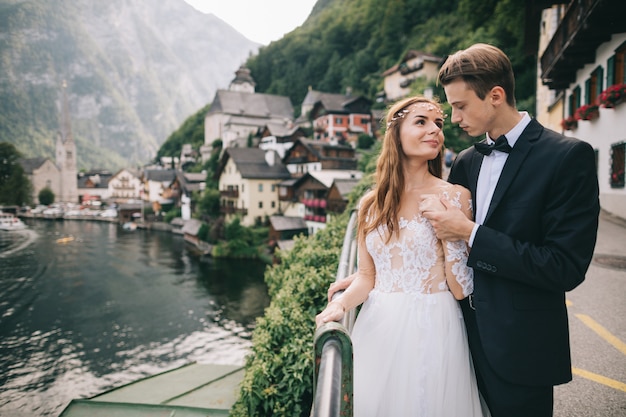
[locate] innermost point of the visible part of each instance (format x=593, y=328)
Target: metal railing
x=333, y=384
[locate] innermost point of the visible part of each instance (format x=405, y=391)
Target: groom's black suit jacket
x=535, y=244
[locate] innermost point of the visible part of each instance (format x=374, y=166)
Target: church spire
x=66, y=128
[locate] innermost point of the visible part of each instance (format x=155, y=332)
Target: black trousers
x=505, y=399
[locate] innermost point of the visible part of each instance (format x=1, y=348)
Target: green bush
x=279, y=371
x=46, y=196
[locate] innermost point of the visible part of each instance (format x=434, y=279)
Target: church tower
x=243, y=81
x=66, y=155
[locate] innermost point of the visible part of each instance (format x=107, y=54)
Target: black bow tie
x=499, y=145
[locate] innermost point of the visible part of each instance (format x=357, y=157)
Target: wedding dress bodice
x=415, y=261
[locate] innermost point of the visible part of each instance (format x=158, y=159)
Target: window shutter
x=610, y=71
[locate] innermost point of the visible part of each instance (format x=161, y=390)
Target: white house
x=581, y=54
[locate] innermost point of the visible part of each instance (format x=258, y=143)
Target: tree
x=15, y=188
x=46, y=196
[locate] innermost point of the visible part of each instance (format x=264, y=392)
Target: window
x=273, y=204
x=260, y=188
x=273, y=187
x=617, y=165
x=593, y=86
x=338, y=120
x=574, y=100
x=260, y=204
x=615, y=72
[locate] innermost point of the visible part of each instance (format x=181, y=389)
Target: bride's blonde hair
x=380, y=206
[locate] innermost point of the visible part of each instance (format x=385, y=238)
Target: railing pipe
x=333, y=371
x=332, y=384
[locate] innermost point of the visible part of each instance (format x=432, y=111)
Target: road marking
x=603, y=333
x=600, y=379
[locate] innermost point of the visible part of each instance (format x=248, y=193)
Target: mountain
x=135, y=70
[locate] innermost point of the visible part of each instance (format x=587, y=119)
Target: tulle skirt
x=411, y=358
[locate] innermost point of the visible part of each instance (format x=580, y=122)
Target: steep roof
x=412, y=53
x=251, y=104
x=31, y=164
x=281, y=130
x=321, y=149
x=328, y=176
x=251, y=164
x=345, y=186
x=332, y=103
x=160, y=175
x=281, y=223
x=192, y=227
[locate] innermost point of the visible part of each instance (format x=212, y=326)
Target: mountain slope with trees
x=350, y=43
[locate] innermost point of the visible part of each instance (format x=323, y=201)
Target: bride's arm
x=459, y=277
x=356, y=293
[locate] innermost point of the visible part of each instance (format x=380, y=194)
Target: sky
x=261, y=21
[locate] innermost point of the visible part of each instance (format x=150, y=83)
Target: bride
x=411, y=356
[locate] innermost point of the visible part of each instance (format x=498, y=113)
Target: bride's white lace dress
x=411, y=356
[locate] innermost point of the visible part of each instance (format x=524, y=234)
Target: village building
x=413, y=65
x=337, y=118
x=581, y=67
x=283, y=229
x=237, y=114
x=93, y=186
x=42, y=173
x=248, y=182
x=311, y=155
x=125, y=186
x=315, y=197
x=59, y=176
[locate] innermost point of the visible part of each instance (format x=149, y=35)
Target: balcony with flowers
x=315, y=209
x=612, y=96
x=587, y=112
x=569, y=123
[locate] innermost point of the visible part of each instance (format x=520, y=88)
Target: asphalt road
x=597, y=317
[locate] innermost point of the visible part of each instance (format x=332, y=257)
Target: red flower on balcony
x=612, y=96
x=587, y=112
x=569, y=123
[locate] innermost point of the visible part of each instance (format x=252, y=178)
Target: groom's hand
x=450, y=224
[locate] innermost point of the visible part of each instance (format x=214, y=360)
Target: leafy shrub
x=279, y=371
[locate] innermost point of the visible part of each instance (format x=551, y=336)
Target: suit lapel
x=477, y=161
x=514, y=163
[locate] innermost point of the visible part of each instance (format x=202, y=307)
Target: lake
x=87, y=306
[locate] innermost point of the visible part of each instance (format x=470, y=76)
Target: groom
x=535, y=196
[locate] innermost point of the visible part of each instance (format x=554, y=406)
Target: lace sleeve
x=456, y=253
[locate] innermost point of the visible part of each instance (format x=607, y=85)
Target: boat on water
x=129, y=226
x=65, y=239
x=9, y=221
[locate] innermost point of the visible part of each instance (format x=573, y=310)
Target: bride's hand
x=430, y=202
x=339, y=286
x=334, y=311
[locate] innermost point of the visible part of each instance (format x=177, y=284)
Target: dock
x=192, y=390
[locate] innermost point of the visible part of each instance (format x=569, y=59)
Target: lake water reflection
x=108, y=306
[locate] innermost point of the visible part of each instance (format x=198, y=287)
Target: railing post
x=333, y=384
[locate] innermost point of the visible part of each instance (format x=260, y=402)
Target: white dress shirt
x=490, y=172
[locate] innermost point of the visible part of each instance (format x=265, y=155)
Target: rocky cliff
x=135, y=69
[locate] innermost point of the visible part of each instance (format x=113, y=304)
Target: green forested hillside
x=349, y=43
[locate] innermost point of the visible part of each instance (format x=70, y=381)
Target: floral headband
x=400, y=114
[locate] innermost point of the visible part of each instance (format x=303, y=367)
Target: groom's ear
x=497, y=96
